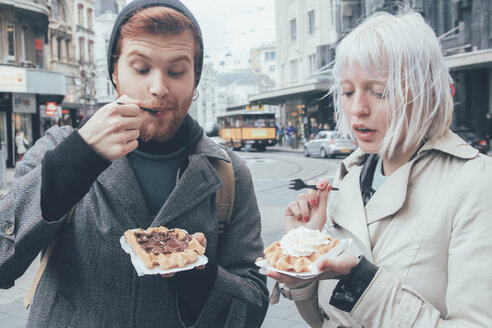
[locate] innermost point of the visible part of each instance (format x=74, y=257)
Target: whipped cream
x=303, y=241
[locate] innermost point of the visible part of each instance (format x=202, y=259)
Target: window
x=271, y=68
x=490, y=24
x=38, y=50
x=333, y=12
x=91, y=51
x=89, y=18
x=67, y=50
x=293, y=30
x=311, y=22
x=81, y=49
x=58, y=10
x=11, y=41
x=23, y=42
x=270, y=55
x=293, y=70
x=312, y=63
x=81, y=14
x=59, y=50
x=445, y=16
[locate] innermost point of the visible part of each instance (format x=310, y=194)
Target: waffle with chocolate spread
x=168, y=248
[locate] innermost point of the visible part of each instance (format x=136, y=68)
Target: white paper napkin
x=313, y=267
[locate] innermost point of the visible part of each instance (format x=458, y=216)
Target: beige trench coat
x=429, y=229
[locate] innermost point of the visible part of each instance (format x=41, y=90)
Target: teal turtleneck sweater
x=156, y=175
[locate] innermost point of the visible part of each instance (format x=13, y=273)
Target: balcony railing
x=80, y=28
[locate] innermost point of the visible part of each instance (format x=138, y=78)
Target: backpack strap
x=225, y=195
x=32, y=290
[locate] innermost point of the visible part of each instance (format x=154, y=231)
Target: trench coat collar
x=197, y=182
x=350, y=212
x=452, y=144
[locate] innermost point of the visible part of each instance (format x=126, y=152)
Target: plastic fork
x=298, y=184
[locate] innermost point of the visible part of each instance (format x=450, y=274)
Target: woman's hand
x=200, y=237
x=331, y=269
x=309, y=209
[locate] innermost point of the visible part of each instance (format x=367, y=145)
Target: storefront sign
x=51, y=108
x=24, y=103
x=12, y=79
x=50, y=111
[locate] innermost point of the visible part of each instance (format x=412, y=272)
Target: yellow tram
x=253, y=127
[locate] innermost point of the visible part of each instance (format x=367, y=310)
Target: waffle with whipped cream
x=298, y=249
x=168, y=248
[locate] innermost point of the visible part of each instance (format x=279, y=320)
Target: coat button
x=10, y=229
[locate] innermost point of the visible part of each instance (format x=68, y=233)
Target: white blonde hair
x=405, y=48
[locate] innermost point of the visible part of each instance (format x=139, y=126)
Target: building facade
x=105, y=90
x=71, y=52
x=106, y=12
x=84, y=50
x=228, y=62
x=263, y=61
x=306, y=34
x=26, y=86
x=206, y=107
x=464, y=28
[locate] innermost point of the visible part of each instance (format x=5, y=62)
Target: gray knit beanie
x=137, y=5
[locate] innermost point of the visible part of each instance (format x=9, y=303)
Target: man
x=137, y=162
x=291, y=134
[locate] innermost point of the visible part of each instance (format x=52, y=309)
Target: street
x=271, y=172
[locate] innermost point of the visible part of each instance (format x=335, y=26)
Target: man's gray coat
x=90, y=281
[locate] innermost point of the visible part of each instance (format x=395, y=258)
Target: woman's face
x=366, y=106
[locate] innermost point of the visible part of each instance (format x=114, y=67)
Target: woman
x=414, y=197
x=20, y=143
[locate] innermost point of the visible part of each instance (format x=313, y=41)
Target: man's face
x=159, y=71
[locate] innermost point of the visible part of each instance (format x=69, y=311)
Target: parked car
x=473, y=139
x=329, y=143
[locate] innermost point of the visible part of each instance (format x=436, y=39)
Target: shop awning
x=479, y=58
x=45, y=82
x=277, y=96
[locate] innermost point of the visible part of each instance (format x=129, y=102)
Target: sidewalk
x=287, y=148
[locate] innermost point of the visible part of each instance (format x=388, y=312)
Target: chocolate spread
x=162, y=242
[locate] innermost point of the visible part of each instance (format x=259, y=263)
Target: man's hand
x=200, y=237
x=309, y=209
x=113, y=130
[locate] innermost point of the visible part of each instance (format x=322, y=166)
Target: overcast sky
x=237, y=25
